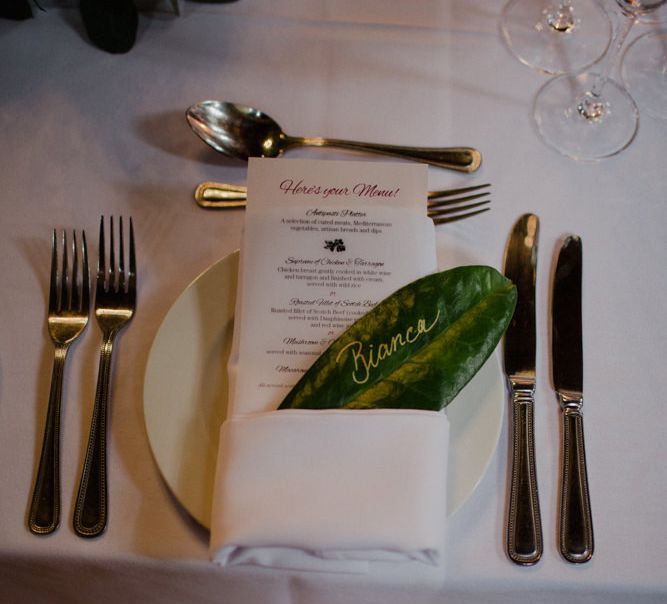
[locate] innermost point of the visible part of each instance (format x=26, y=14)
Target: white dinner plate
x=185, y=397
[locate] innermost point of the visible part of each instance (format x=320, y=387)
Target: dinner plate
x=185, y=397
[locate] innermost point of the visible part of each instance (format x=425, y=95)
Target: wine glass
x=644, y=72
x=556, y=36
x=588, y=116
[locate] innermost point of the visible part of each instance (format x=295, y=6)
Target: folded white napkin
x=331, y=490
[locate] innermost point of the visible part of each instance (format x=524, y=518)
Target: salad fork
x=115, y=303
x=69, y=301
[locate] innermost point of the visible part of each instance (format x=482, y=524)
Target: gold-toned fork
x=115, y=304
x=69, y=302
x=447, y=205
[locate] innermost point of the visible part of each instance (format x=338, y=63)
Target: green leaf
x=416, y=349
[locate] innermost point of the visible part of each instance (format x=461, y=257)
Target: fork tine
x=101, y=258
x=132, y=284
x=121, y=259
x=53, y=283
x=112, y=258
x=445, y=220
x=63, y=298
x=74, y=298
x=85, y=275
x=440, y=203
x=451, y=192
x=458, y=209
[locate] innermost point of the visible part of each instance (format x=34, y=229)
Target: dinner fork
x=447, y=205
x=115, y=303
x=69, y=301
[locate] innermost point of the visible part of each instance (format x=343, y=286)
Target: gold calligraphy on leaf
x=367, y=358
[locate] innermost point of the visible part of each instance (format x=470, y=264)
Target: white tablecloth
x=86, y=133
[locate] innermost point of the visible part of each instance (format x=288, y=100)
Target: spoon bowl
x=236, y=130
x=241, y=132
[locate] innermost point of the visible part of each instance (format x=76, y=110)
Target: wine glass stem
x=592, y=107
x=617, y=43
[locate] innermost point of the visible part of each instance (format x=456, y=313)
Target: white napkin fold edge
x=235, y=540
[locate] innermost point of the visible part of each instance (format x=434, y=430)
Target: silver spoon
x=242, y=132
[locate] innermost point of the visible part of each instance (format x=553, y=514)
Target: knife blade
x=524, y=525
x=576, y=525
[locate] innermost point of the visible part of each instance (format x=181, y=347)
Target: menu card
x=324, y=241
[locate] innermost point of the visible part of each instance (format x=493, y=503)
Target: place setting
x=315, y=302
x=327, y=398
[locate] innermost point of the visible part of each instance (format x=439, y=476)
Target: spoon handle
x=220, y=195
x=462, y=159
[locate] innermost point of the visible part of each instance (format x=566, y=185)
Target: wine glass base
x=644, y=72
x=559, y=114
x=545, y=40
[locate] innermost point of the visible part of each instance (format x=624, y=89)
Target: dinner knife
x=576, y=525
x=524, y=525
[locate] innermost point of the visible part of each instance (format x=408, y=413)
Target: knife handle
x=576, y=523
x=524, y=526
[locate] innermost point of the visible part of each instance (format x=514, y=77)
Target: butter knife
x=524, y=525
x=576, y=525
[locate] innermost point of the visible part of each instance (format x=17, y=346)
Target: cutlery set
x=69, y=303
x=524, y=526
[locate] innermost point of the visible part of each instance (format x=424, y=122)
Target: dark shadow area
x=149, y=10
x=170, y=132
x=213, y=1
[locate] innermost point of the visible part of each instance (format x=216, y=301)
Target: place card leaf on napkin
x=416, y=349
